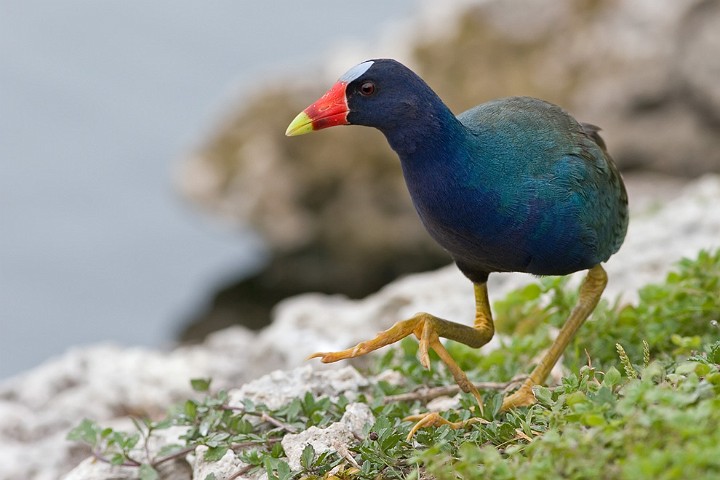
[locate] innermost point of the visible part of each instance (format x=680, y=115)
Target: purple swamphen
x=511, y=185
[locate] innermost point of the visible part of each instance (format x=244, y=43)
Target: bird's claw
x=523, y=397
x=394, y=334
x=433, y=419
x=357, y=351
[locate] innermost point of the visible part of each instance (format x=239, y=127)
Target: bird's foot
x=428, y=329
x=523, y=397
x=433, y=419
x=394, y=334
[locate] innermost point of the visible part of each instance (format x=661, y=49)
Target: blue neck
x=428, y=135
x=435, y=155
x=445, y=170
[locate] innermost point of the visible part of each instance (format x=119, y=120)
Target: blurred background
x=148, y=193
x=100, y=102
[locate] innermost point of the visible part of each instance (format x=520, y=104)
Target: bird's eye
x=367, y=88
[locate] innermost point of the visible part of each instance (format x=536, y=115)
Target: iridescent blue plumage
x=515, y=184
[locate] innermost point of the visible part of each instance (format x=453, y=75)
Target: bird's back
x=537, y=193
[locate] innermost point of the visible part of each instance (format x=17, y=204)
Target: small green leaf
x=147, y=472
x=210, y=476
x=576, y=398
x=169, y=449
x=207, y=424
x=506, y=432
x=190, y=409
x=543, y=395
x=269, y=466
x=241, y=426
x=603, y=396
x=702, y=369
x=252, y=457
x=612, y=377
x=293, y=409
x=86, y=432
x=217, y=439
x=283, y=470
x=714, y=353
x=129, y=442
x=277, y=450
x=162, y=424
x=593, y=419
x=116, y=439
x=531, y=292
x=686, y=368
x=248, y=405
x=493, y=403
x=214, y=454
x=307, y=457
x=200, y=384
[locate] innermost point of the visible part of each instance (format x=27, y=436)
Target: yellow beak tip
x=301, y=125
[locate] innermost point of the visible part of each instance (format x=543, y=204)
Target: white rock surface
x=178, y=469
x=278, y=388
x=336, y=437
x=223, y=469
x=106, y=382
x=91, y=468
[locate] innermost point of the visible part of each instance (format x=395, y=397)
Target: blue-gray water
x=99, y=100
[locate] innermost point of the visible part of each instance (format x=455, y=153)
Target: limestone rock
x=279, y=387
x=336, y=437
x=107, y=383
x=224, y=469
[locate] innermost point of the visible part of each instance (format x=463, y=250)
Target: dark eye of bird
x=367, y=88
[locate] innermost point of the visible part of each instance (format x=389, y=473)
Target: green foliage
x=662, y=424
x=200, y=384
x=147, y=472
x=670, y=318
x=658, y=419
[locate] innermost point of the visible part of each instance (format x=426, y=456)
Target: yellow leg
x=590, y=292
x=428, y=329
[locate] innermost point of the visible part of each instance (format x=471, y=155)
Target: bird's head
x=379, y=93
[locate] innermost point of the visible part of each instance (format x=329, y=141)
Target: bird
x=515, y=184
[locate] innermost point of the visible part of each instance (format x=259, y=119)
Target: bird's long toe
x=434, y=419
x=392, y=335
x=330, y=357
x=523, y=397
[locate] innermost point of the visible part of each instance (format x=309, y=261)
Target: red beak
x=330, y=110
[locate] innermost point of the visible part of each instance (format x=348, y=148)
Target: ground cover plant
x=640, y=399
